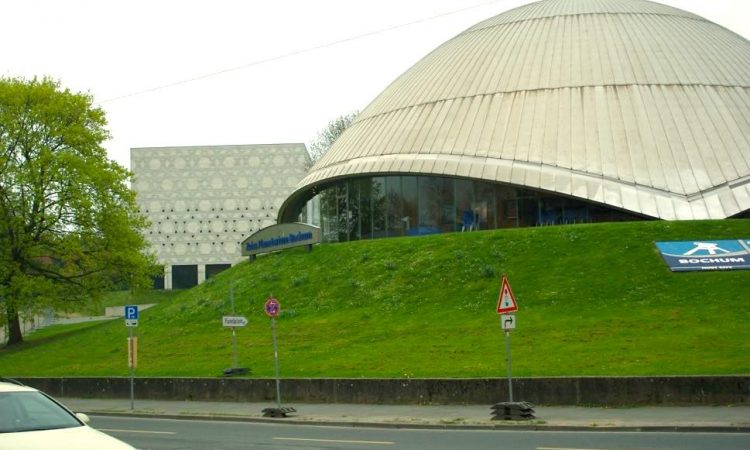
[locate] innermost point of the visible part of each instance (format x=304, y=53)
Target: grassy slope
x=118, y=298
x=594, y=300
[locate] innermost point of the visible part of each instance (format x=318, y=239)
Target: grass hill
x=594, y=300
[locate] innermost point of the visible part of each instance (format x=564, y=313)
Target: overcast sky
x=223, y=72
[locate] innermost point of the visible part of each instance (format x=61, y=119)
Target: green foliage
x=594, y=300
x=328, y=135
x=69, y=223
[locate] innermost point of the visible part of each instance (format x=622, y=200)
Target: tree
x=69, y=225
x=329, y=134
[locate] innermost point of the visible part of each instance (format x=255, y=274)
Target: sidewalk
x=690, y=418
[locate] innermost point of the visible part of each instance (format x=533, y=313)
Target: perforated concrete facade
x=204, y=201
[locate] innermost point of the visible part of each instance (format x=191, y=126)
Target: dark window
x=214, y=269
x=484, y=206
x=184, y=276
x=356, y=214
x=365, y=207
x=342, y=212
x=466, y=217
x=410, y=195
x=394, y=205
x=157, y=281
x=430, y=205
x=377, y=205
x=328, y=222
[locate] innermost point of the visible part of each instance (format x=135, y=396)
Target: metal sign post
x=272, y=309
x=506, y=305
x=508, y=322
x=132, y=368
x=234, y=332
x=276, y=363
x=131, y=321
x=233, y=322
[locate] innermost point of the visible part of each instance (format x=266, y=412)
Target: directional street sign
x=506, y=303
x=234, y=321
x=131, y=315
x=508, y=321
x=272, y=307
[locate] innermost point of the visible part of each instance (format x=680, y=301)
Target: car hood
x=78, y=438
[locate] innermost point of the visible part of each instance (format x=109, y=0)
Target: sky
x=231, y=72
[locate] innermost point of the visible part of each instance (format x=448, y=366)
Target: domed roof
x=632, y=104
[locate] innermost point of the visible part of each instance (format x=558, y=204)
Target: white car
x=31, y=420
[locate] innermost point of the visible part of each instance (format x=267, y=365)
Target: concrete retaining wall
x=604, y=391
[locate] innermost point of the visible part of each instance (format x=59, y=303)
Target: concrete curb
x=501, y=426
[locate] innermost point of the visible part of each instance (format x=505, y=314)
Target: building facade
x=558, y=111
x=203, y=201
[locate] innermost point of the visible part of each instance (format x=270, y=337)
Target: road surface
x=166, y=434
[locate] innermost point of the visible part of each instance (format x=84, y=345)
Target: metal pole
x=130, y=363
x=508, y=363
x=276, y=362
x=234, y=346
x=234, y=333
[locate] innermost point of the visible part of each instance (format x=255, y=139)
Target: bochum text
x=711, y=260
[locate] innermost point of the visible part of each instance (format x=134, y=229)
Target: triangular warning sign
x=506, y=303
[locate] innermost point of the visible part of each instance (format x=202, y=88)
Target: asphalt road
x=166, y=434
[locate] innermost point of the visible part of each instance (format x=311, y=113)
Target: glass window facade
x=390, y=206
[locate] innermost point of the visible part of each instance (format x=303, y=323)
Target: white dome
x=632, y=104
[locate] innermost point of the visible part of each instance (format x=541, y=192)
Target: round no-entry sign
x=272, y=307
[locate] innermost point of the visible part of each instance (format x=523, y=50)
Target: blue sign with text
x=682, y=256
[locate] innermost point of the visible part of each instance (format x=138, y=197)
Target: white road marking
x=112, y=430
x=567, y=448
x=335, y=441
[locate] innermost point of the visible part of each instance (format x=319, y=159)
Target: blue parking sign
x=131, y=312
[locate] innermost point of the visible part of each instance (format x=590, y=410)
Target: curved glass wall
x=389, y=206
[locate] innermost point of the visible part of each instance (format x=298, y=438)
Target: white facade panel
x=202, y=202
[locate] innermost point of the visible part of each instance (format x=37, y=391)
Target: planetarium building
x=561, y=111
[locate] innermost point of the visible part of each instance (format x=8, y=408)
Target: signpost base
x=278, y=412
x=235, y=371
x=513, y=411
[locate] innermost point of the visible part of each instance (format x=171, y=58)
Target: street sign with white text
x=234, y=321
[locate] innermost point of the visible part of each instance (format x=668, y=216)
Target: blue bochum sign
x=682, y=256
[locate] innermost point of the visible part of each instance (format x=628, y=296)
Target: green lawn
x=594, y=300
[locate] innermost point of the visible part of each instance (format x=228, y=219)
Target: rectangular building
x=203, y=201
